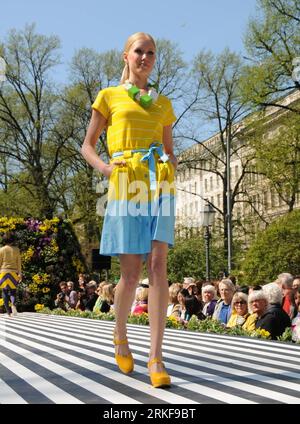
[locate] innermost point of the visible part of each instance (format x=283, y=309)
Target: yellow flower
x=45, y=290
x=54, y=246
x=41, y=279
x=1, y=302
x=38, y=306
x=26, y=256
x=49, y=224
x=8, y=224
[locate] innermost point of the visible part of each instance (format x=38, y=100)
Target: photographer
x=62, y=299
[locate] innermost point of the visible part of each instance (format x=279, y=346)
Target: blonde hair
x=174, y=289
x=130, y=40
x=108, y=293
x=143, y=294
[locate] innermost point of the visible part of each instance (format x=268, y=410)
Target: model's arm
x=88, y=149
x=168, y=144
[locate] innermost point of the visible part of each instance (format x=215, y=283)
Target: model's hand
x=107, y=171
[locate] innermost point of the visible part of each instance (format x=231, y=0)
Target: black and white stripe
x=64, y=360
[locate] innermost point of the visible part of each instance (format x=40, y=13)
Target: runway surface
x=48, y=359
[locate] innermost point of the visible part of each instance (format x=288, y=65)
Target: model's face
x=141, y=57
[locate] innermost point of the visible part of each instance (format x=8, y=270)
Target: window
x=205, y=185
x=219, y=200
x=211, y=182
x=236, y=172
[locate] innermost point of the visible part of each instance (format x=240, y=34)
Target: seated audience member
x=296, y=283
x=174, y=306
x=222, y=310
x=208, y=297
x=142, y=284
x=99, y=300
x=288, y=300
x=81, y=300
x=191, y=307
x=240, y=314
x=192, y=288
x=142, y=302
x=108, y=298
x=62, y=298
x=296, y=321
x=72, y=294
x=284, y=278
x=82, y=282
x=91, y=296
x=187, y=281
x=281, y=319
x=182, y=294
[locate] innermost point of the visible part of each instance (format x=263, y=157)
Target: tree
x=28, y=106
x=187, y=258
x=273, y=44
x=278, y=155
x=217, y=79
x=275, y=250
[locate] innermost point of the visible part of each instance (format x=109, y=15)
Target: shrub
x=275, y=250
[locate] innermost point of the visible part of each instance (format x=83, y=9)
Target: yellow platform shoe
x=125, y=363
x=159, y=379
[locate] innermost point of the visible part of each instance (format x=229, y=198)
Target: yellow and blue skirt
x=140, y=203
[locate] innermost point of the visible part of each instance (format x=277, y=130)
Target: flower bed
x=50, y=253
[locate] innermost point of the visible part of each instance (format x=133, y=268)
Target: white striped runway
x=47, y=359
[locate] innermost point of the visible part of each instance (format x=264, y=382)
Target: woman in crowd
x=209, y=299
x=142, y=301
x=174, y=305
x=240, y=316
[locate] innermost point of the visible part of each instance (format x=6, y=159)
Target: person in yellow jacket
x=10, y=272
x=240, y=315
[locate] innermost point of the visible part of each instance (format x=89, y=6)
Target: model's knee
x=130, y=281
x=158, y=267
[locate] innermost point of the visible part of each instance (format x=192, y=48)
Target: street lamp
x=208, y=216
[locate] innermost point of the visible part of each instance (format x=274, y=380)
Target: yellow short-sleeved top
x=129, y=125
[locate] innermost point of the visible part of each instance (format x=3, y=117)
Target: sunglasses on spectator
x=240, y=302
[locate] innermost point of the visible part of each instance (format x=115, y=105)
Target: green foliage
x=50, y=253
x=275, y=250
x=278, y=157
x=213, y=326
x=187, y=257
x=272, y=41
x=286, y=336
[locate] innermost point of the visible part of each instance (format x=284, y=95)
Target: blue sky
x=104, y=25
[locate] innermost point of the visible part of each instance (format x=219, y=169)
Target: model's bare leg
x=131, y=267
x=157, y=299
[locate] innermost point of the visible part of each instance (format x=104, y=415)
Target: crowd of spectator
x=272, y=307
